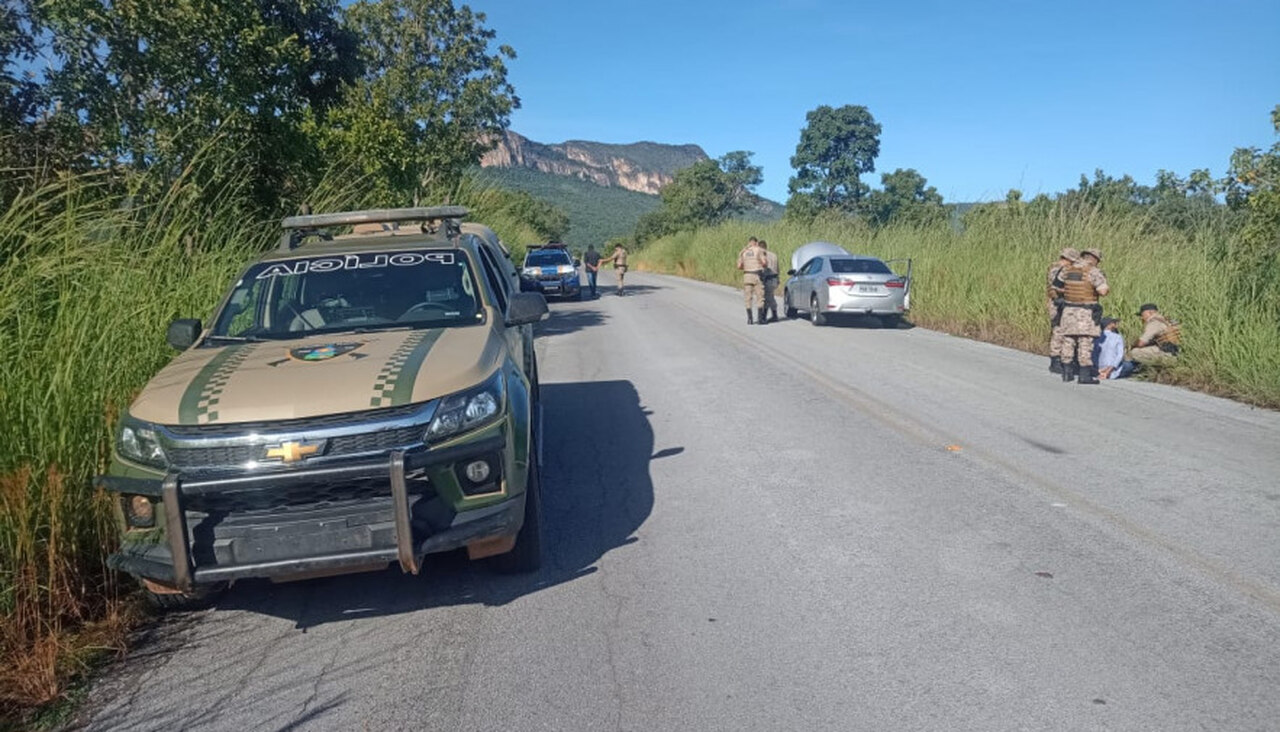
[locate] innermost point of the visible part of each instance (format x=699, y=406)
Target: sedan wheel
x=789, y=311
x=816, y=316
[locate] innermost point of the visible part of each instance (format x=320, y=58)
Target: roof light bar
x=374, y=216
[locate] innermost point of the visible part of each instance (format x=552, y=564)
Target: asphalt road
x=793, y=528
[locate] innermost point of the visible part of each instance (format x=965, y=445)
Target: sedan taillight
x=896, y=283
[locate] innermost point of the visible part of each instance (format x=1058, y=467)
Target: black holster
x=1056, y=320
x=1097, y=313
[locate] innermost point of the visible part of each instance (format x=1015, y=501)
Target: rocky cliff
x=642, y=166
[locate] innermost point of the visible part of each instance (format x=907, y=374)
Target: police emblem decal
x=322, y=352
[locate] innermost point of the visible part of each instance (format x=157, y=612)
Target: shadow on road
x=864, y=322
x=610, y=290
x=564, y=320
x=596, y=493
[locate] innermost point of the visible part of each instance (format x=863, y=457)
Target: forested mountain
x=596, y=213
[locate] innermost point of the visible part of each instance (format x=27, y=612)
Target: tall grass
x=89, y=277
x=987, y=282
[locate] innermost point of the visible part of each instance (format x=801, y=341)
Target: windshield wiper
x=235, y=339
x=380, y=329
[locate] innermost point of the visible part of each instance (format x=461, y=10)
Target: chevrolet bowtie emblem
x=292, y=452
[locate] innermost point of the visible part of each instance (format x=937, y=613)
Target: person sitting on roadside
x=1108, y=352
x=1160, y=341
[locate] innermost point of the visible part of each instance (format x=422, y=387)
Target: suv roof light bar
x=298, y=228
x=374, y=216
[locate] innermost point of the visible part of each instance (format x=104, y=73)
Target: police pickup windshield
x=425, y=288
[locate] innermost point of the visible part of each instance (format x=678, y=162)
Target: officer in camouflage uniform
x=769, y=277
x=1082, y=284
x=751, y=260
x=619, y=261
x=1161, y=338
x=1053, y=305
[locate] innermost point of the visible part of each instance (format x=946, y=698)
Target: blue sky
x=979, y=97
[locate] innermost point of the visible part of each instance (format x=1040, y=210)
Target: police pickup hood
x=335, y=373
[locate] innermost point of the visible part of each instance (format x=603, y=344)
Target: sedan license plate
x=869, y=288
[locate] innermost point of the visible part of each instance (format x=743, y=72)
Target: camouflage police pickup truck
x=366, y=394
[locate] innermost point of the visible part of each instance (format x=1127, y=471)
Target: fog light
x=140, y=512
x=478, y=471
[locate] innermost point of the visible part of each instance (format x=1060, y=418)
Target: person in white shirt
x=1108, y=352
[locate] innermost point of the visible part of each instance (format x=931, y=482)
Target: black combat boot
x=760, y=316
x=773, y=315
x=1055, y=364
x=750, y=318
x=1088, y=375
x=1068, y=371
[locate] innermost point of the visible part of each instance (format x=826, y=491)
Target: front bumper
x=218, y=529
x=555, y=288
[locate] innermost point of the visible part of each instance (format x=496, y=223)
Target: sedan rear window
x=859, y=266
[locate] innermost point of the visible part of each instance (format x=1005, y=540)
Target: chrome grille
x=292, y=425
x=207, y=458
x=375, y=441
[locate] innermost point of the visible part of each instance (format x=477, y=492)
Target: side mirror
x=526, y=307
x=791, y=273
x=577, y=262
x=182, y=333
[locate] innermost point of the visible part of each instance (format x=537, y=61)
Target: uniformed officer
x=1161, y=339
x=1082, y=284
x=769, y=278
x=619, y=260
x=751, y=260
x=1053, y=305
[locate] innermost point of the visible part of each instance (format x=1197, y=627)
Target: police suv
x=365, y=395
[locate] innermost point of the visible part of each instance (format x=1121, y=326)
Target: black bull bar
x=172, y=490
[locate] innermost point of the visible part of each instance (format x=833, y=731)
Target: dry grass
x=89, y=278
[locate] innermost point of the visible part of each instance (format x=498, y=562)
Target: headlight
x=565, y=269
x=467, y=410
x=532, y=271
x=139, y=442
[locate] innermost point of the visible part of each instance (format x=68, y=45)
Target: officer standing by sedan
x=769, y=278
x=751, y=260
x=1053, y=305
x=1082, y=284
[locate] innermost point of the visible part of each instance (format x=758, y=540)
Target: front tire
x=789, y=311
x=526, y=556
x=816, y=316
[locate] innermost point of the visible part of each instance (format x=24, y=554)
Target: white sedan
x=833, y=283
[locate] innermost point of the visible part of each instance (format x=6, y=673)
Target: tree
x=702, y=194
x=430, y=98
x=152, y=83
x=837, y=145
x=1253, y=186
x=744, y=176
x=906, y=197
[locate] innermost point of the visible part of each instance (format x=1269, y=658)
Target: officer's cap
x=1108, y=321
x=1147, y=306
x=1095, y=253
x=1070, y=253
